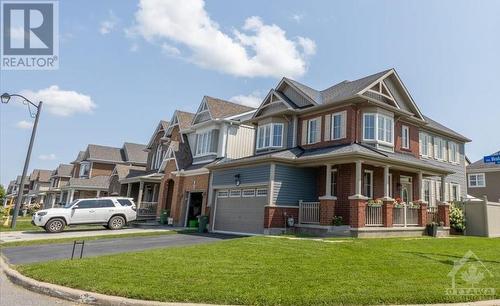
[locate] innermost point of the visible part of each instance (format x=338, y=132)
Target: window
x=378, y=127
x=125, y=202
x=426, y=185
x=455, y=192
x=313, y=131
x=204, y=143
x=454, y=156
x=333, y=174
x=105, y=203
x=338, y=125
x=248, y=193
x=424, y=144
x=368, y=184
x=235, y=193
x=270, y=136
x=405, y=137
x=88, y=204
x=158, y=157
x=439, y=148
x=477, y=180
x=223, y=194
x=262, y=192
x=84, y=169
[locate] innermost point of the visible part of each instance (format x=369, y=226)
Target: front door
x=194, y=207
x=406, y=189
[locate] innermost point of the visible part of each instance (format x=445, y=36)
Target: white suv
x=111, y=212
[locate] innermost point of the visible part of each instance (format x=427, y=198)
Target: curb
x=92, y=298
x=76, y=295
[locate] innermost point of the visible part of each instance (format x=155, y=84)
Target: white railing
x=147, y=209
x=309, y=212
x=374, y=215
x=405, y=216
x=432, y=215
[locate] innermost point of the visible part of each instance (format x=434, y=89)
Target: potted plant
x=376, y=202
x=432, y=228
x=398, y=203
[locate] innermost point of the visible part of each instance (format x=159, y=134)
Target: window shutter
x=318, y=130
x=304, y=132
x=420, y=143
x=328, y=125
x=214, y=141
x=343, y=121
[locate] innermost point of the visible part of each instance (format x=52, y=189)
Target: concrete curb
x=76, y=295
x=92, y=298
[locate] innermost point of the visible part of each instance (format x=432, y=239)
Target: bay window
x=206, y=143
x=378, y=127
x=270, y=136
x=84, y=169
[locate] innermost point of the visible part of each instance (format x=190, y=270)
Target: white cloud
x=61, y=102
x=109, y=24
x=170, y=50
x=50, y=156
x=253, y=100
x=308, y=45
x=297, y=17
x=257, y=49
x=23, y=124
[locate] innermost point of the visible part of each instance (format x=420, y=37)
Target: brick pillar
x=422, y=214
x=326, y=211
x=387, y=210
x=358, y=212
x=444, y=214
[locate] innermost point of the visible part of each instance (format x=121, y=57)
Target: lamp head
x=5, y=98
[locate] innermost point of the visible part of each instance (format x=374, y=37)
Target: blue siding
x=248, y=175
x=292, y=184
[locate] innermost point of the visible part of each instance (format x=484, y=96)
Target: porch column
x=155, y=192
x=129, y=189
x=443, y=189
x=358, y=179
x=357, y=202
x=328, y=187
x=71, y=194
x=98, y=193
x=139, y=197
x=61, y=197
x=420, y=186
x=52, y=200
x=387, y=197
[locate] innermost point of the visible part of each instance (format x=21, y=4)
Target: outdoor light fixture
x=237, y=181
x=5, y=98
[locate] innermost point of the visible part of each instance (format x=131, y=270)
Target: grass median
x=267, y=271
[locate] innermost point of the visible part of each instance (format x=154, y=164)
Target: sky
x=125, y=65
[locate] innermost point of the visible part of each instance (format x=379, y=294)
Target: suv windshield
x=70, y=204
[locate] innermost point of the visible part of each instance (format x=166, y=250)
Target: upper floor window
x=477, y=180
x=453, y=152
x=84, y=169
x=378, y=127
x=313, y=130
x=424, y=144
x=439, y=148
x=405, y=137
x=158, y=157
x=204, y=143
x=338, y=125
x=270, y=136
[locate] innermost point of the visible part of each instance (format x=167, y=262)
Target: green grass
x=271, y=271
x=98, y=237
x=22, y=224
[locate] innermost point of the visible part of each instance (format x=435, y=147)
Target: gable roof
x=184, y=119
x=135, y=153
x=162, y=126
x=438, y=126
x=63, y=170
x=219, y=108
x=80, y=157
x=104, y=153
x=44, y=175
x=124, y=171
x=480, y=164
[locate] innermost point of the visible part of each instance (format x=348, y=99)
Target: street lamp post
x=5, y=99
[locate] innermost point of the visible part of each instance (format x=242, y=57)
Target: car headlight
x=40, y=214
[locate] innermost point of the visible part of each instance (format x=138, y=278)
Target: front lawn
x=272, y=271
x=22, y=224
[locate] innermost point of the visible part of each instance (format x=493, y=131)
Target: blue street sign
x=492, y=159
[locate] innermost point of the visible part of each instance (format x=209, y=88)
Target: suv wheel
x=55, y=225
x=116, y=222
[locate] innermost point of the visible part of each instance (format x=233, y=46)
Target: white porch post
x=61, y=197
x=52, y=200
x=129, y=189
x=71, y=195
x=155, y=192
x=386, y=183
x=358, y=181
x=98, y=193
x=328, y=187
x=443, y=189
x=139, y=197
x=420, y=185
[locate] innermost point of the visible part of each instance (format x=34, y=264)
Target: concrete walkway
x=73, y=233
x=47, y=252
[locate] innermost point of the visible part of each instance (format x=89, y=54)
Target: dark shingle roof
x=124, y=171
x=98, y=152
x=79, y=157
x=221, y=109
x=135, y=152
x=184, y=119
x=438, y=126
x=93, y=182
x=44, y=175
x=480, y=164
x=63, y=170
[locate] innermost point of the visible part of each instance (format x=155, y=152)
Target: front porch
x=144, y=190
x=372, y=200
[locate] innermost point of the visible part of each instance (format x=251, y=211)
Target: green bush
x=337, y=221
x=457, y=220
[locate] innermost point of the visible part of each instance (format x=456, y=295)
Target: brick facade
x=275, y=216
x=101, y=169
x=414, y=142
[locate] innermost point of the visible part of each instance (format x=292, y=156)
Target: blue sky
x=122, y=68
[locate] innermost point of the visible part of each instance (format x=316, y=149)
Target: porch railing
x=374, y=215
x=147, y=209
x=405, y=216
x=432, y=215
x=309, y=212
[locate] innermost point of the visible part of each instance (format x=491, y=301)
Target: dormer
x=157, y=146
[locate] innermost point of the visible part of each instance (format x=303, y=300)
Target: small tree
x=457, y=220
x=2, y=194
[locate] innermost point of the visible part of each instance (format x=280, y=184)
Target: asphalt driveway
x=47, y=252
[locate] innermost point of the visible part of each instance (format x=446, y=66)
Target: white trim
x=223, y=191
x=376, y=116
x=248, y=196
x=343, y=125
x=270, y=192
x=260, y=195
x=237, y=193
x=317, y=129
x=271, y=135
x=476, y=175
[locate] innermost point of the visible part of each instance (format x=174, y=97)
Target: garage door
x=240, y=210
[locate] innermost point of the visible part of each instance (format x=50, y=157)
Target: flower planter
x=432, y=230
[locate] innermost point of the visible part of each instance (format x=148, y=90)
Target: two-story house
x=39, y=183
x=483, y=179
x=93, y=167
x=334, y=156
x=58, y=178
x=215, y=131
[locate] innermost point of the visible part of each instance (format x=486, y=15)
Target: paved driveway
x=47, y=252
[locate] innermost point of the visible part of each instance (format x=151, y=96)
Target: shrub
x=338, y=221
x=457, y=220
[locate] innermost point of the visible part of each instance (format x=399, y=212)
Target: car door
x=105, y=210
x=84, y=211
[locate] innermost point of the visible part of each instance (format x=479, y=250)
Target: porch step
x=146, y=223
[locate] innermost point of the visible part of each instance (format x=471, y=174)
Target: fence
x=147, y=209
x=405, y=216
x=432, y=215
x=374, y=215
x=309, y=212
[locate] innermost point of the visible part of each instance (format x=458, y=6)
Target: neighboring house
x=39, y=183
x=215, y=131
x=329, y=152
x=10, y=193
x=93, y=167
x=483, y=179
x=142, y=184
x=58, y=179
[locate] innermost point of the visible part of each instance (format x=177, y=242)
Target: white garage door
x=240, y=210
